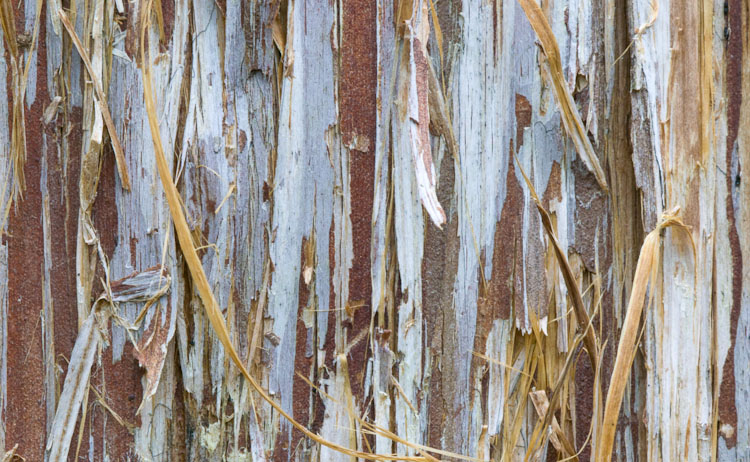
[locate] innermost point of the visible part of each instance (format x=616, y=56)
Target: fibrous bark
x=352, y=177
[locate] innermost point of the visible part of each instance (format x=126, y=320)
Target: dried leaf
x=151, y=351
x=141, y=286
x=278, y=31
x=557, y=437
x=51, y=110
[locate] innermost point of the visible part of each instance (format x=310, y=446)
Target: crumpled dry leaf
x=141, y=286
x=557, y=436
x=151, y=351
x=51, y=110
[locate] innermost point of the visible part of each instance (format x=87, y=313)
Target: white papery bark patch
x=419, y=115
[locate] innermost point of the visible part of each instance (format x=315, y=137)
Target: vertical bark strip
x=350, y=174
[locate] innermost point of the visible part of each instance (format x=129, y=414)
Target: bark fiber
x=352, y=175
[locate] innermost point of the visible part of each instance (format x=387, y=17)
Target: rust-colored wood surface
x=351, y=175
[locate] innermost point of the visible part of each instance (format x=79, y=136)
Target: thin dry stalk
x=19, y=80
x=198, y=274
x=568, y=110
x=499, y=363
x=558, y=438
x=590, y=341
x=103, y=403
x=122, y=168
x=646, y=269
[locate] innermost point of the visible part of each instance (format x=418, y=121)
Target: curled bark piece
x=74, y=389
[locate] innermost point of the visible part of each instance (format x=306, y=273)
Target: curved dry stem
x=646, y=269
x=101, y=99
x=568, y=110
x=201, y=281
x=589, y=340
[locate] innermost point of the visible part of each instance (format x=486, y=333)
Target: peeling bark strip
x=570, y=117
x=147, y=286
x=101, y=101
x=415, y=97
x=326, y=231
x=76, y=385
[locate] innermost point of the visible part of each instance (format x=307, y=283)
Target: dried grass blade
x=103, y=403
x=648, y=263
x=437, y=28
x=122, y=168
x=589, y=340
x=18, y=82
x=7, y=21
x=568, y=110
x=11, y=455
x=558, y=438
x=196, y=268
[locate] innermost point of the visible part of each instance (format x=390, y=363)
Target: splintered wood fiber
x=419, y=230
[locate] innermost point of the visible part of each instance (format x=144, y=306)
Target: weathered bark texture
x=352, y=174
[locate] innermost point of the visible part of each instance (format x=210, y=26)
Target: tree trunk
x=389, y=221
